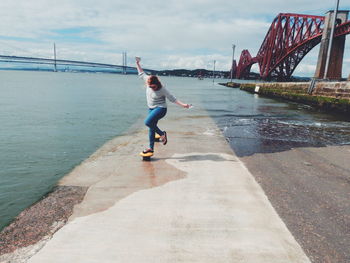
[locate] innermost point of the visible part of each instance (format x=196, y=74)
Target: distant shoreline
x=192, y=73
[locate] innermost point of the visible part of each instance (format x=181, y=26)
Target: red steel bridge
x=289, y=39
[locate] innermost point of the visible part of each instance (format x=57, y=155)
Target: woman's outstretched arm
x=173, y=99
x=187, y=106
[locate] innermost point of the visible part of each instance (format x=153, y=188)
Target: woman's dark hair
x=154, y=82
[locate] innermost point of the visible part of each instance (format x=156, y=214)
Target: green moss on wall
x=299, y=94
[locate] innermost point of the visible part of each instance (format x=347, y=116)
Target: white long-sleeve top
x=156, y=98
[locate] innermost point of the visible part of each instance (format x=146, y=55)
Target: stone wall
x=340, y=90
x=332, y=96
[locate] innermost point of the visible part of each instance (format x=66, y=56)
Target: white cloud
x=199, y=62
x=167, y=34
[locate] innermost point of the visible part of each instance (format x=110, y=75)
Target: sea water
x=51, y=122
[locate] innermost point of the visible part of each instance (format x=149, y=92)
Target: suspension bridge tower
x=125, y=61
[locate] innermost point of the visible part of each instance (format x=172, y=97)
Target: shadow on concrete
x=197, y=157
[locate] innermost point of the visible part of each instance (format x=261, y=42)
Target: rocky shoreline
x=40, y=221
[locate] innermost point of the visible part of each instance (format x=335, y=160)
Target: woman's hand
x=138, y=59
x=186, y=106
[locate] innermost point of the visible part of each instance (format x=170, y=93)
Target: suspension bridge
x=70, y=65
x=63, y=63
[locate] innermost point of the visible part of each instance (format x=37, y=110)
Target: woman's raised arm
x=138, y=66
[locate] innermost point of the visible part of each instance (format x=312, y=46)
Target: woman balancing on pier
x=156, y=95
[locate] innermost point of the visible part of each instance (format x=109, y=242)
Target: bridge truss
x=289, y=38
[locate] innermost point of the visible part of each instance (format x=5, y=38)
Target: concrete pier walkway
x=194, y=202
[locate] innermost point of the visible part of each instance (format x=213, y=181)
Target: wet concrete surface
x=194, y=202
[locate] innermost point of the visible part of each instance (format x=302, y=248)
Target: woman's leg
x=151, y=121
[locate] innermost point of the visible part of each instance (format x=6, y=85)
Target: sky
x=166, y=34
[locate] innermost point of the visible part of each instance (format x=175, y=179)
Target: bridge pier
x=337, y=52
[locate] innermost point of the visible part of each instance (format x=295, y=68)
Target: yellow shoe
x=147, y=153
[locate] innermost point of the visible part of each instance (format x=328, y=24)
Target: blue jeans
x=154, y=115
